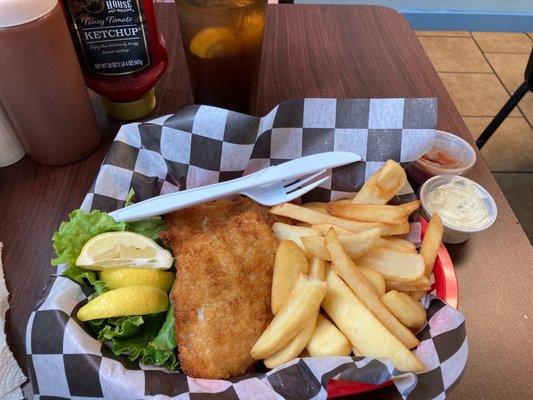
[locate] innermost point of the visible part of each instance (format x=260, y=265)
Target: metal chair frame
x=509, y=106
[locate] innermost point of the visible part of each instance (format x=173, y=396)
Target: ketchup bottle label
x=110, y=35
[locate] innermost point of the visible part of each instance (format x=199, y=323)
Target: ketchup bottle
x=121, y=53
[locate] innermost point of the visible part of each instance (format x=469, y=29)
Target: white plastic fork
x=284, y=190
x=270, y=186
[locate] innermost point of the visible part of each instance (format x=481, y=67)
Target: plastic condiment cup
x=449, y=144
x=454, y=234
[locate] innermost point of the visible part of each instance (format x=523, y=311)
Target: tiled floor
x=481, y=70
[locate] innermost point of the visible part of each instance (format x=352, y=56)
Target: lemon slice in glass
x=116, y=278
x=123, y=249
x=250, y=28
x=216, y=42
x=124, y=301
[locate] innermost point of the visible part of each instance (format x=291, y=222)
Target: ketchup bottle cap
x=131, y=110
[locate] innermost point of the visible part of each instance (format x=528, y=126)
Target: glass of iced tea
x=222, y=40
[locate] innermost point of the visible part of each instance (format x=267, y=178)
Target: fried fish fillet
x=224, y=253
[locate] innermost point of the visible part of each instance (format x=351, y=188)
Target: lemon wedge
x=124, y=301
x=116, y=278
x=216, y=42
x=123, y=249
x=250, y=28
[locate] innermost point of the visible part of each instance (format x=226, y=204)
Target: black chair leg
x=502, y=114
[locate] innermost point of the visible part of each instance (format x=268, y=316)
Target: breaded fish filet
x=224, y=254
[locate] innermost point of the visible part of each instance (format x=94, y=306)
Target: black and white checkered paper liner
x=200, y=145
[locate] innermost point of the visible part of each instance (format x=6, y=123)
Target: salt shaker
x=10, y=148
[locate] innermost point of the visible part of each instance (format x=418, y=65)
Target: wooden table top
x=310, y=51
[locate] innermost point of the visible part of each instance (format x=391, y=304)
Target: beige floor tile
x=444, y=33
x=503, y=42
x=526, y=106
x=509, y=68
x=476, y=95
x=511, y=146
x=451, y=54
x=476, y=125
x=518, y=189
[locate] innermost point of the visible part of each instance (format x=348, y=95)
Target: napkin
x=200, y=145
x=10, y=372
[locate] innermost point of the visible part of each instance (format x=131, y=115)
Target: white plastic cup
x=454, y=234
x=421, y=170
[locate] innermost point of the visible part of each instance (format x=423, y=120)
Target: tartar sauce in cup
x=464, y=206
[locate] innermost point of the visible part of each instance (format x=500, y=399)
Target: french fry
x=303, y=303
x=357, y=352
x=317, y=248
x=410, y=312
x=394, y=229
x=350, y=274
x=324, y=228
x=410, y=207
x=417, y=295
x=289, y=263
x=317, y=206
x=294, y=233
x=418, y=304
x=431, y=243
x=327, y=340
x=368, y=212
x=313, y=218
x=354, y=244
x=362, y=328
x=317, y=268
x=421, y=283
x=383, y=185
x=295, y=346
x=396, y=244
x=375, y=279
x=393, y=265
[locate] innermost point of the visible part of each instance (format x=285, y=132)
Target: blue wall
x=472, y=15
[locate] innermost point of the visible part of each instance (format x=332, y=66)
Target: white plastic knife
x=268, y=186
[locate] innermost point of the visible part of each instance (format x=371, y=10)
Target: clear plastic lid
x=463, y=205
x=16, y=12
x=449, y=155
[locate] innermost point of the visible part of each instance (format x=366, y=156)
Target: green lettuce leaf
x=81, y=226
x=150, y=227
x=162, y=350
x=165, y=339
x=73, y=234
x=110, y=329
x=149, y=339
x=79, y=274
x=129, y=197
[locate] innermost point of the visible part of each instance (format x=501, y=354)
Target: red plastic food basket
x=446, y=288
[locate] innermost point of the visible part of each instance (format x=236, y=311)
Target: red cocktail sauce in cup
x=449, y=155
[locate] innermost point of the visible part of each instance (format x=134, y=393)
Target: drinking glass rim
x=192, y=3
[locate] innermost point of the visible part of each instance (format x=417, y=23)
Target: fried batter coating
x=224, y=253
